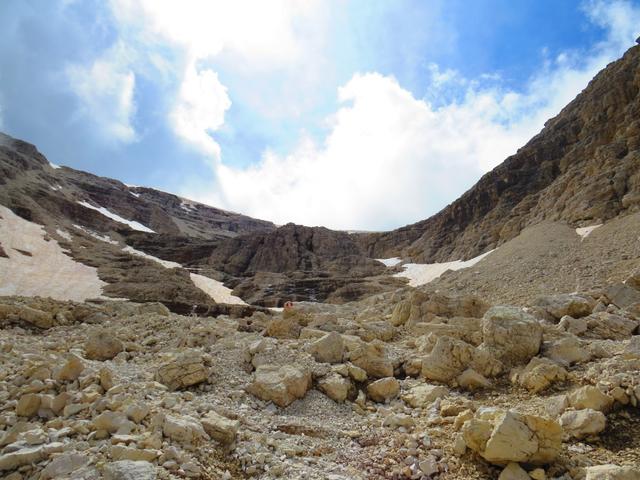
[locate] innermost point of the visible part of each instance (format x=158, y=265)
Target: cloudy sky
x=363, y=114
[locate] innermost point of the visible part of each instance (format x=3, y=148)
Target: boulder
x=383, y=389
x=113, y=422
x=622, y=295
x=501, y=437
x=280, y=385
x=566, y=351
x=22, y=313
x=582, y=423
x=514, y=471
x=575, y=326
x=219, y=428
x=28, y=405
x=328, y=349
x=336, y=387
x=612, y=472
x=186, y=431
x=286, y=326
x=422, y=396
x=634, y=279
x=472, y=380
x=570, y=304
x=183, y=371
x=102, y=345
x=130, y=470
x=70, y=370
x=539, y=374
x=448, y=359
x=609, y=326
x=373, y=359
x=511, y=335
x=401, y=313
x=63, y=465
x=590, y=397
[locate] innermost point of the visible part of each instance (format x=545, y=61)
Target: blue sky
x=364, y=114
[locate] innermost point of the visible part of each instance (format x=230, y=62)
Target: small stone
x=513, y=471
x=383, y=389
x=219, y=428
x=423, y=395
x=70, y=370
x=130, y=470
x=102, y=345
x=328, y=349
x=28, y=405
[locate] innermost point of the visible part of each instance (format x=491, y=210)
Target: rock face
x=558, y=175
x=501, y=437
x=280, y=385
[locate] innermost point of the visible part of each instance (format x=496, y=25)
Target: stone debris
x=183, y=371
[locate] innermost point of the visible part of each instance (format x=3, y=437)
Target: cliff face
x=582, y=168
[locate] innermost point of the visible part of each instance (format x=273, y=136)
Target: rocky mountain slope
x=583, y=168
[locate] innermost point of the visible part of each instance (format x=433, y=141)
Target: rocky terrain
x=138, y=338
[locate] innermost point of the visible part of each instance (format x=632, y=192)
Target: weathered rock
x=284, y=327
x=571, y=304
x=383, y=389
x=357, y=374
x=28, y=405
x=280, y=385
x=582, y=423
x=512, y=335
x=633, y=280
x=448, y=359
x=610, y=326
x=590, y=397
x=622, y=295
x=221, y=429
x=336, y=387
x=612, y=472
x=401, y=313
x=183, y=371
x=328, y=349
x=136, y=412
x=121, y=452
x=422, y=396
x=472, y=380
x=129, y=470
x=63, y=465
x=576, y=326
x=566, y=351
x=513, y=471
x=26, y=456
x=501, y=437
x=632, y=349
x=539, y=374
x=373, y=359
x=70, y=370
x=23, y=313
x=113, y=422
x=183, y=430
x=102, y=345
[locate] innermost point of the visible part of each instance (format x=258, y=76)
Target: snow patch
x=390, y=262
x=137, y=195
x=164, y=263
x=585, y=231
x=55, y=188
x=63, y=234
x=211, y=287
x=97, y=236
x=54, y=166
x=48, y=272
x=114, y=216
x=215, y=290
x=423, y=273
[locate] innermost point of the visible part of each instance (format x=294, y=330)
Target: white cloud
x=391, y=159
x=105, y=89
x=202, y=102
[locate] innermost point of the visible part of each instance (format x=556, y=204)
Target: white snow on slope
x=54, y=166
x=63, y=234
x=211, y=287
x=114, y=216
x=422, y=273
x=48, y=272
x=585, y=231
x=97, y=236
x=390, y=262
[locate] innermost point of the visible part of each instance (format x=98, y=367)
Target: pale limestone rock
x=448, y=359
x=582, y=423
x=501, y=437
x=632, y=349
x=570, y=304
x=284, y=327
x=63, y=465
x=183, y=371
x=328, y=349
x=136, y=412
x=511, y=335
x=472, y=380
x=221, y=429
x=102, y=345
x=113, y=422
x=121, y=452
x=336, y=387
x=70, y=370
x=106, y=378
x=566, y=351
x=27, y=456
x=539, y=374
x=383, y=389
x=612, y=472
x=356, y=373
x=605, y=325
x=398, y=420
x=130, y=470
x=372, y=358
x=575, y=326
x=514, y=471
x=422, y=396
x=538, y=474
x=32, y=316
x=28, y=405
x=590, y=397
x=401, y=313
x=280, y=385
x=622, y=295
x=183, y=430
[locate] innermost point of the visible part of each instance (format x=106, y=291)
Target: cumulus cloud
x=105, y=89
x=391, y=159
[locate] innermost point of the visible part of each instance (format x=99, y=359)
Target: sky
x=355, y=115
